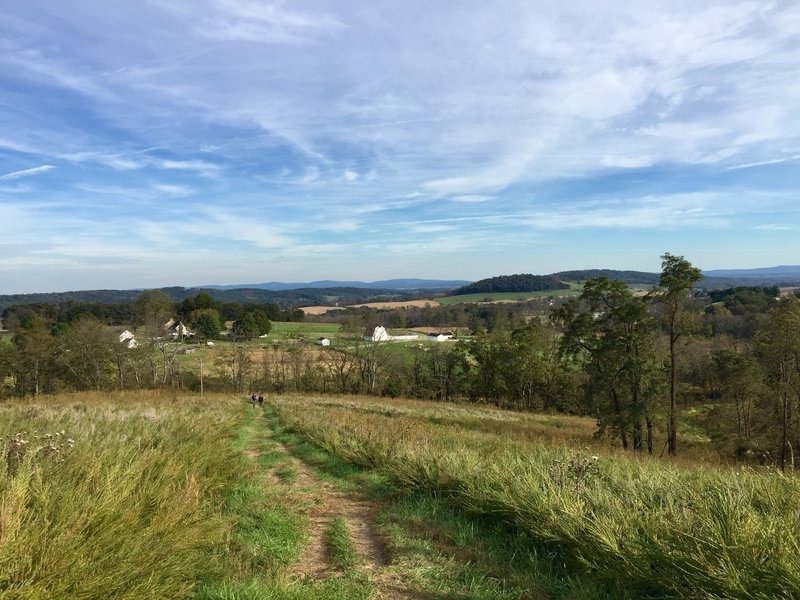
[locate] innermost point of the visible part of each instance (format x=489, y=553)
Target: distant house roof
x=178, y=330
x=379, y=334
x=440, y=337
x=127, y=338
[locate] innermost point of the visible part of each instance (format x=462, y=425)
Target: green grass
x=148, y=496
x=284, y=330
x=339, y=588
x=287, y=473
x=646, y=525
x=340, y=545
x=128, y=509
x=440, y=551
x=270, y=533
x=161, y=495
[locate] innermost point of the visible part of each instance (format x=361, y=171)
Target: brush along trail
x=322, y=503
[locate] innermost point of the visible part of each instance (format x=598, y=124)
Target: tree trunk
x=672, y=429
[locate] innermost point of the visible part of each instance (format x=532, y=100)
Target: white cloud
x=180, y=191
x=472, y=198
x=265, y=22
x=118, y=162
x=200, y=166
x=627, y=162
x=26, y=172
x=292, y=109
x=762, y=163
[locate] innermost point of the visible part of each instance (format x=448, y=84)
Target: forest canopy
x=513, y=283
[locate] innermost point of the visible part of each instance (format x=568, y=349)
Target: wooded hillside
x=513, y=283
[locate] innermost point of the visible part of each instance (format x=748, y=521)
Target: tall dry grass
x=657, y=528
x=125, y=503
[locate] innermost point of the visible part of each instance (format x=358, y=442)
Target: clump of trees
x=513, y=283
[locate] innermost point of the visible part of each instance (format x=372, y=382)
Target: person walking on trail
x=253, y=399
x=261, y=400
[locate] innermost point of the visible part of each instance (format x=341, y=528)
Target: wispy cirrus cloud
x=264, y=22
x=26, y=172
x=476, y=130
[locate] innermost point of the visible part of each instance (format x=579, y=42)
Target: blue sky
x=169, y=142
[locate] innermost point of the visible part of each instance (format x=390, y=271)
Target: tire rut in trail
x=329, y=503
x=325, y=503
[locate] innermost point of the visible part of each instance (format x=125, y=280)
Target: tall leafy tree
x=207, y=323
x=780, y=354
x=611, y=332
x=489, y=354
x=34, y=369
x=738, y=419
x=678, y=277
x=86, y=354
x=153, y=308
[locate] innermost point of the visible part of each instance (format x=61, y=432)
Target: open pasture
x=149, y=495
x=508, y=296
x=308, y=331
x=164, y=495
x=656, y=528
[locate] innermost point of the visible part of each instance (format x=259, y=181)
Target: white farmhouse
x=127, y=338
x=379, y=334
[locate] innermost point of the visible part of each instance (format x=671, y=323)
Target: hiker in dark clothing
x=261, y=400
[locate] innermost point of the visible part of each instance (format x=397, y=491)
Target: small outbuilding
x=440, y=337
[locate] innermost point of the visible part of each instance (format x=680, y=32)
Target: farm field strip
x=507, y=296
x=653, y=527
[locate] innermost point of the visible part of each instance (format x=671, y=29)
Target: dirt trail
x=327, y=504
x=324, y=503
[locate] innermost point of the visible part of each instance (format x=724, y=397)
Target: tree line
x=646, y=366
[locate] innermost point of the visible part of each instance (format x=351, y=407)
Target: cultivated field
x=319, y=310
x=398, y=304
x=509, y=296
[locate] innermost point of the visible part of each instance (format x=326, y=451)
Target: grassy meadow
x=303, y=330
x=654, y=528
x=143, y=496
x=162, y=495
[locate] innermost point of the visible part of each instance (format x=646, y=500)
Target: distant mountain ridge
x=792, y=271
x=289, y=296
x=385, y=284
x=354, y=292
x=638, y=277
